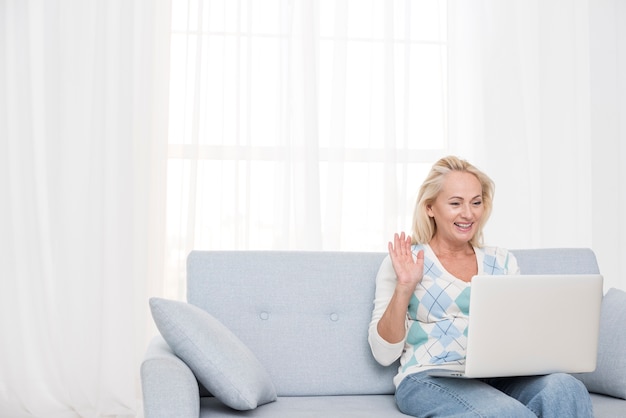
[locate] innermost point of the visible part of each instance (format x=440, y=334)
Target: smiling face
x=458, y=208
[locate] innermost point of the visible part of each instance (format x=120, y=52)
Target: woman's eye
x=478, y=203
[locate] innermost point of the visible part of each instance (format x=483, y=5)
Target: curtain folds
x=534, y=100
x=521, y=111
x=83, y=131
x=300, y=124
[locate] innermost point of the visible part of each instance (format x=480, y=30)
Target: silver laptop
x=523, y=325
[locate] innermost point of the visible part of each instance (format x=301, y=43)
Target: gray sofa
x=288, y=330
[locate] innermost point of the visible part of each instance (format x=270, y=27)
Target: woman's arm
x=395, y=285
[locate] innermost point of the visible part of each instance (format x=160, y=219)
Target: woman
x=422, y=305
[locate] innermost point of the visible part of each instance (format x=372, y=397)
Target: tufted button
x=334, y=317
x=264, y=315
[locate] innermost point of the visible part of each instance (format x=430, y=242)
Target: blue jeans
x=553, y=395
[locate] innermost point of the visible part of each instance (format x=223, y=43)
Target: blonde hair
x=424, y=227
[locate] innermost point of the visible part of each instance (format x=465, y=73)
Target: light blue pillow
x=609, y=378
x=218, y=359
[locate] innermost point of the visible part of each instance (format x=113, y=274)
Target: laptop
x=522, y=325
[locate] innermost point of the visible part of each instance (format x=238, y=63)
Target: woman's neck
x=446, y=249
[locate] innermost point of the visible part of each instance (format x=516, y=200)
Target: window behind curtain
x=300, y=124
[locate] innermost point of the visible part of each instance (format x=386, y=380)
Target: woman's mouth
x=464, y=226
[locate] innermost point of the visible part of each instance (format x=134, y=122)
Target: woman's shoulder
x=499, y=259
x=495, y=251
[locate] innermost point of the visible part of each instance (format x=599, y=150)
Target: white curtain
x=530, y=92
x=537, y=100
x=300, y=124
x=607, y=21
x=83, y=130
x=521, y=110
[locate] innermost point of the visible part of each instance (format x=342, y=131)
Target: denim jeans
x=555, y=395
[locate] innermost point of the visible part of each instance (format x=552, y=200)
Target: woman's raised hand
x=409, y=270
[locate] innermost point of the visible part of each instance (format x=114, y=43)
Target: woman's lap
x=552, y=395
x=426, y=396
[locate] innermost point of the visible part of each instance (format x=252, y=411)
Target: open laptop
x=522, y=325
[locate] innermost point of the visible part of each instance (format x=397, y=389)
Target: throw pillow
x=218, y=359
x=609, y=378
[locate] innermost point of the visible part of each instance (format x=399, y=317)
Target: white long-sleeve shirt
x=437, y=316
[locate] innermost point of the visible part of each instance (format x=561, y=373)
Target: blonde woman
x=421, y=308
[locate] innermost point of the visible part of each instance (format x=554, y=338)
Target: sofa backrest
x=557, y=261
x=305, y=314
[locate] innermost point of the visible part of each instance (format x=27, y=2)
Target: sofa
x=284, y=334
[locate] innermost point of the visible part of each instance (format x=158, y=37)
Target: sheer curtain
x=83, y=127
x=537, y=100
x=300, y=124
x=312, y=125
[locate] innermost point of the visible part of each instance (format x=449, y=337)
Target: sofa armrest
x=169, y=387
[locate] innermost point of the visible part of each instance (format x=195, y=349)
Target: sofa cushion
x=218, y=359
x=609, y=378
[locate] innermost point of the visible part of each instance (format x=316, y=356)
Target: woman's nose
x=467, y=211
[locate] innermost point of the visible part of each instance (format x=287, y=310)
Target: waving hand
x=409, y=270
